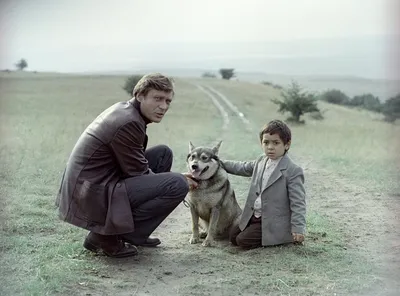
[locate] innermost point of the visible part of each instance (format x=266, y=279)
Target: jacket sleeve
x=127, y=146
x=297, y=198
x=239, y=168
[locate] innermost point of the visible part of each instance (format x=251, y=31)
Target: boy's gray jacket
x=283, y=198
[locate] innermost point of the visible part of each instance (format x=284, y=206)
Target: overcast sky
x=53, y=34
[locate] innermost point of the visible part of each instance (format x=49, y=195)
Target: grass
x=42, y=117
x=355, y=143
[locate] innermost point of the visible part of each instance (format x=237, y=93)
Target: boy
x=275, y=210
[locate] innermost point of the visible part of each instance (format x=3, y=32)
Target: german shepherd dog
x=213, y=202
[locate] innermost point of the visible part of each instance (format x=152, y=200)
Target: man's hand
x=191, y=181
x=298, y=238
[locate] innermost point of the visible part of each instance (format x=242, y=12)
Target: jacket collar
x=136, y=105
x=277, y=173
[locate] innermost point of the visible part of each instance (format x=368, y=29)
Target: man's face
x=155, y=104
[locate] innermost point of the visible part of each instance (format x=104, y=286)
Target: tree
x=335, y=96
x=227, y=73
x=22, y=64
x=130, y=83
x=391, y=109
x=297, y=102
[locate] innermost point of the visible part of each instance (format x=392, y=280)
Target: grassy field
x=348, y=158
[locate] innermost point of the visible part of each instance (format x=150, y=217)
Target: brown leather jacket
x=92, y=194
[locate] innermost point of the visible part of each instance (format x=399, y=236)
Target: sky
x=88, y=35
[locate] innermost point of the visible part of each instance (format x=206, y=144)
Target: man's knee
x=166, y=158
x=165, y=151
x=179, y=186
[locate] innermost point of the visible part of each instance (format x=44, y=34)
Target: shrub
x=130, y=83
x=335, y=96
x=273, y=85
x=391, y=109
x=297, y=102
x=21, y=64
x=227, y=73
x=208, y=75
x=367, y=101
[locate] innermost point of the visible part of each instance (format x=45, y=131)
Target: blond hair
x=155, y=81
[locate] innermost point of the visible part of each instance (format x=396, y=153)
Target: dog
x=213, y=202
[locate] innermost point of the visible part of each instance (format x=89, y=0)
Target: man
x=114, y=187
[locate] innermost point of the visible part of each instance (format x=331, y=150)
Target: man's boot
x=110, y=245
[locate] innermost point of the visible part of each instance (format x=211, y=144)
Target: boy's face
x=273, y=146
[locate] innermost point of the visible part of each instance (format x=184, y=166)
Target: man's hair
x=155, y=81
x=277, y=127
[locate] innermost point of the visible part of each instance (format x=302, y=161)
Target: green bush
x=367, y=101
x=297, y=102
x=130, y=83
x=227, y=73
x=273, y=85
x=335, y=96
x=391, y=109
x=208, y=75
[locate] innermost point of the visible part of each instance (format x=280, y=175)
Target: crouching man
x=112, y=185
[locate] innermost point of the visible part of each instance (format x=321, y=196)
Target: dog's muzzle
x=194, y=172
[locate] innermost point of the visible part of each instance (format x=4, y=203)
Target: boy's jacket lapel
x=261, y=174
x=277, y=173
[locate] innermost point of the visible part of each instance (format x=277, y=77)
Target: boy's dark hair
x=277, y=127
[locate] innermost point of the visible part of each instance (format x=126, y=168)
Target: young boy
x=275, y=210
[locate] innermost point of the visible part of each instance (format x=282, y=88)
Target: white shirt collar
x=273, y=161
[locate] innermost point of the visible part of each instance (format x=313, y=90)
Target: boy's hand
x=298, y=238
x=191, y=181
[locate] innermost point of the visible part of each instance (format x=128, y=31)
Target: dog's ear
x=216, y=148
x=191, y=147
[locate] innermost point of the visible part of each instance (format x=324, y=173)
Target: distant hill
x=351, y=85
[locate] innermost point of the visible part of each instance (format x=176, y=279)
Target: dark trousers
x=250, y=237
x=153, y=197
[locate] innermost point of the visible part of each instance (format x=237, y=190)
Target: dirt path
x=369, y=221
x=178, y=268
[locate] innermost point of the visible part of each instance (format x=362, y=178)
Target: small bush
x=227, y=73
x=208, y=75
x=273, y=85
x=130, y=83
x=335, y=96
x=391, y=109
x=297, y=102
x=367, y=101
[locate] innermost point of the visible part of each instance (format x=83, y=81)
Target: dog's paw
x=203, y=235
x=207, y=243
x=194, y=240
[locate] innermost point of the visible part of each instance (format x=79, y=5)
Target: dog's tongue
x=196, y=174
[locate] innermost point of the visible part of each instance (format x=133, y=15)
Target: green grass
x=42, y=117
x=357, y=144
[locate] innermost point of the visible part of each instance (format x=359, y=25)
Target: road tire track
x=220, y=108
x=231, y=106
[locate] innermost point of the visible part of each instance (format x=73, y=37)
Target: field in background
x=354, y=143
x=41, y=118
